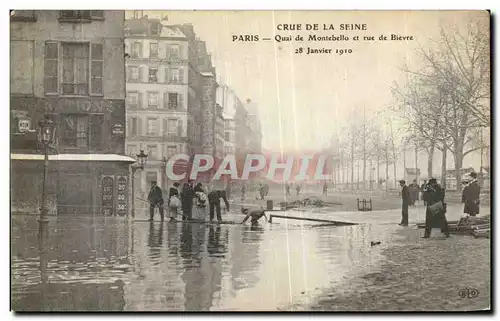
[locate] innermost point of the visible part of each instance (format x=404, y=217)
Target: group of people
x=190, y=202
x=433, y=195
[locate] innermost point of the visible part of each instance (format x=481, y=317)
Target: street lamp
x=141, y=161
x=46, y=137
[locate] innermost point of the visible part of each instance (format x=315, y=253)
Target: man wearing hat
x=155, y=198
x=435, y=212
x=470, y=196
x=405, y=195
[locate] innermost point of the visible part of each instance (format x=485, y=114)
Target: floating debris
x=307, y=202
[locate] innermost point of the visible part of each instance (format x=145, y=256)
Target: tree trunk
x=387, y=174
x=352, y=165
x=404, y=163
x=378, y=171
x=371, y=174
x=443, y=166
x=458, y=157
x=417, y=174
x=430, y=160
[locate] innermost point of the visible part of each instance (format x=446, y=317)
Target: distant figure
x=256, y=215
x=262, y=191
x=199, y=188
x=325, y=189
x=174, y=201
x=470, y=196
x=297, y=188
x=287, y=187
x=414, y=191
x=214, y=198
x=435, y=213
x=266, y=190
x=228, y=190
x=155, y=198
x=422, y=190
x=406, y=198
x=187, y=196
x=243, y=190
x=200, y=204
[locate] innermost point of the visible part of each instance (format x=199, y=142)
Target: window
x=23, y=15
x=83, y=130
x=152, y=152
x=173, y=51
x=97, y=14
x=170, y=127
x=153, y=75
x=152, y=127
x=155, y=29
x=153, y=100
x=96, y=70
x=133, y=99
x=136, y=49
x=171, y=151
x=131, y=150
x=174, y=75
x=75, y=69
x=151, y=177
x=51, y=68
x=132, y=127
x=134, y=73
x=153, y=50
x=173, y=101
x=71, y=15
x=227, y=136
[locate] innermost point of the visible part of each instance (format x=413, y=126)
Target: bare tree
x=449, y=96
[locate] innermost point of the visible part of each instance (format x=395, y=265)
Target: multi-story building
x=255, y=139
x=68, y=65
x=229, y=136
x=157, y=95
x=219, y=133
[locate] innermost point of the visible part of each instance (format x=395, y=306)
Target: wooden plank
x=188, y=221
x=308, y=219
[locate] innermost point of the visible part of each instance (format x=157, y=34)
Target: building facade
x=68, y=65
x=157, y=96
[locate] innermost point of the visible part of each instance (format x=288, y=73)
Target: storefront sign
x=107, y=195
x=118, y=130
x=121, y=196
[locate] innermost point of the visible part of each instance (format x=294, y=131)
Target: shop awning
x=75, y=157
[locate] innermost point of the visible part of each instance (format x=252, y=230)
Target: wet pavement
x=112, y=265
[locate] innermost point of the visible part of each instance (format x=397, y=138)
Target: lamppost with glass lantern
x=141, y=161
x=46, y=137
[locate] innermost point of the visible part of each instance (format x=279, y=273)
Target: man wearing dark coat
x=187, y=195
x=470, y=196
x=422, y=190
x=406, y=198
x=414, y=191
x=434, y=194
x=214, y=202
x=155, y=198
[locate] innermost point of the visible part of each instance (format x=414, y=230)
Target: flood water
x=113, y=265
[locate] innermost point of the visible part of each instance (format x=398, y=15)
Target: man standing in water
x=255, y=215
x=155, y=198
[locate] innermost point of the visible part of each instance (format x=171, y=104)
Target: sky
x=305, y=99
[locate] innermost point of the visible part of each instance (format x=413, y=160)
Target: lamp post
x=141, y=159
x=46, y=136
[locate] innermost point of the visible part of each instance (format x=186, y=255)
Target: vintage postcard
x=250, y=160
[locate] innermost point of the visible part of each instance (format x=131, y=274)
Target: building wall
x=88, y=108
x=153, y=124
x=31, y=42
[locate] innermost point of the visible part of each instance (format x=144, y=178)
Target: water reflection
x=97, y=264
